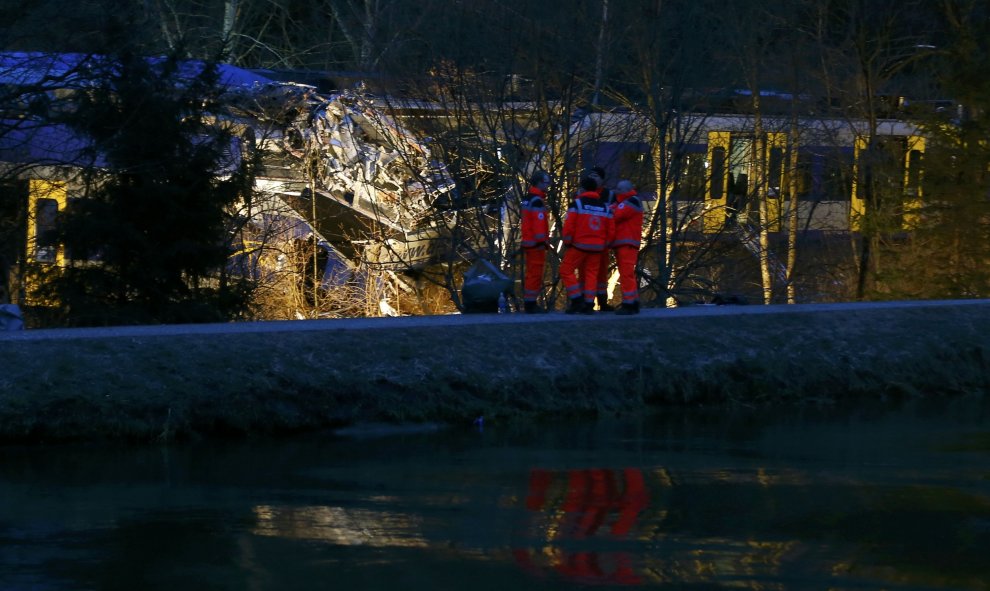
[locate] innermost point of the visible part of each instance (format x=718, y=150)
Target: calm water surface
x=880, y=499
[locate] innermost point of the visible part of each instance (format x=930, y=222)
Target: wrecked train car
x=46, y=167
x=369, y=185
x=334, y=172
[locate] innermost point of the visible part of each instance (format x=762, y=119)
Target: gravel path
x=453, y=320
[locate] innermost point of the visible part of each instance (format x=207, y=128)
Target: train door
x=741, y=177
x=736, y=172
x=45, y=254
x=893, y=172
x=717, y=181
x=773, y=185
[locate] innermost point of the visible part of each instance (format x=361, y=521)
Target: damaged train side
x=351, y=168
x=333, y=171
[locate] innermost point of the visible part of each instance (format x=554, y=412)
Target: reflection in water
x=592, y=502
x=336, y=525
x=894, y=501
x=750, y=527
x=613, y=505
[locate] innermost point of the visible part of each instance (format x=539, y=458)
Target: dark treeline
x=862, y=60
x=702, y=44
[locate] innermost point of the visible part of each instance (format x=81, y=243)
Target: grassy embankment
x=173, y=387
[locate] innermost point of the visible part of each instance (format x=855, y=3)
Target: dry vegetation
x=288, y=293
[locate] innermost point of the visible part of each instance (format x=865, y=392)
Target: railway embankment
x=147, y=384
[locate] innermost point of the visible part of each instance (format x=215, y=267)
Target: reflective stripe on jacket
x=588, y=225
x=628, y=213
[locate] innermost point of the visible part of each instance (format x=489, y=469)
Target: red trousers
x=579, y=272
x=534, y=260
x=625, y=259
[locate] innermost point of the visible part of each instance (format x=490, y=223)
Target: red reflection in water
x=596, y=502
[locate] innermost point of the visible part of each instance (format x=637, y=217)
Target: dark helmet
x=539, y=177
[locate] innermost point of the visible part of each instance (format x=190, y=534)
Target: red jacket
x=588, y=225
x=628, y=213
x=535, y=226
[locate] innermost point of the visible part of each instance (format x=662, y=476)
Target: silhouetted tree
x=946, y=253
x=149, y=237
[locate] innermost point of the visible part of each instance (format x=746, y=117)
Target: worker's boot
x=603, y=304
x=532, y=308
x=575, y=306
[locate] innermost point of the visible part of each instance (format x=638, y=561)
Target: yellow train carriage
x=31, y=251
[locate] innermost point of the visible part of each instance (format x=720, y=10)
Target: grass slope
x=168, y=387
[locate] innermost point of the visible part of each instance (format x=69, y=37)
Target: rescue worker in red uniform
x=627, y=211
x=535, y=230
x=601, y=286
x=587, y=233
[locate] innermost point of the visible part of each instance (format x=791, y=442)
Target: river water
x=886, y=498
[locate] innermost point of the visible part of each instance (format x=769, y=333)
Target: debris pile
x=356, y=156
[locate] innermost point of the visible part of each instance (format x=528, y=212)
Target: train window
x=804, y=175
x=718, y=173
x=638, y=167
x=824, y=175
x=837, y=176
x=691, y=180
x=45, y=230
x=886, y=163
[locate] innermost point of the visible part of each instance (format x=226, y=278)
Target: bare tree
x=661, y=113
x=945, y=253
x=865, y=47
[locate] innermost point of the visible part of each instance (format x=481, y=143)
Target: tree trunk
x=760, y=192
x=792, y=214
x=229, y=17
x=600, y=53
